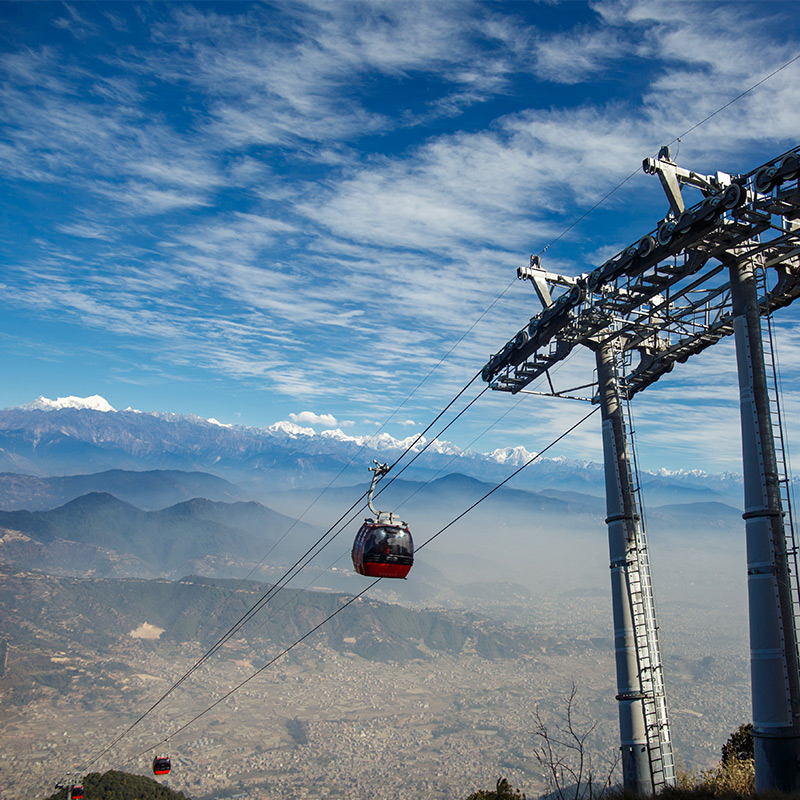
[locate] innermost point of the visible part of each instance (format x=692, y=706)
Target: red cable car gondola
x=383, y=550
x=383, y=547
x=161, y=765
x=77, y=792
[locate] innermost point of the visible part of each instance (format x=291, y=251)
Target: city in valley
x=341, y=715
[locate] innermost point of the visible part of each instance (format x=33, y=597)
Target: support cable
x=385, y=485
x=258, y=671
x=288, y=649
x=333, y=563
x=512, y=475
x=419, y=489
x=676, y=139
x=292, y=571
x=247, y=616
x=309, y=555
x=487, y=429
x=735, y=99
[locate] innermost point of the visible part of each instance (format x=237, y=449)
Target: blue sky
x=270, y=211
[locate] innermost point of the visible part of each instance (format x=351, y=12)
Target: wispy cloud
x=315, y=201
x=75, y=23
x=575, y=56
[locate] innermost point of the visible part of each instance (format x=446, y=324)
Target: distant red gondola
x=77, y=792
x=383, y=547
x=161, y=765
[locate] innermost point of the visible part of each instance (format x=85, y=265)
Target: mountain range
x=149, y=489
x=540, y=542
x=155, y=510
x=73, y=435
x=99, y=534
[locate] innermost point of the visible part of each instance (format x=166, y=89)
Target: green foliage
x=739, y=746
x=503, y=791
x=733, y=777
x=115, y=785
x=93, y=613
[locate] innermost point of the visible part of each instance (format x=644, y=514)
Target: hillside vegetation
x=115, y=785
x=46, y=614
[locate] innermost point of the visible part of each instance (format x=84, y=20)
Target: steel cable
x=284, y=580
x=315, y=549
x=286, y=650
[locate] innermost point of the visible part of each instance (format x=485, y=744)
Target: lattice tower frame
x=702, y=273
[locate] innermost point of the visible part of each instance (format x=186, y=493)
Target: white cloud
x=575, y=56
x=77, y=25
x=85, y=230
x=310, y=418
x=298, y=88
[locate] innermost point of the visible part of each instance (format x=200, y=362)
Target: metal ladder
x=648, y=651
x=781, y=458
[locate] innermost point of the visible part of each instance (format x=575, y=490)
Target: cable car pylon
x=647, y=759
x=666, y=297
x=774, y=668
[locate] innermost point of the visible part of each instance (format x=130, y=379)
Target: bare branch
x=565, y=758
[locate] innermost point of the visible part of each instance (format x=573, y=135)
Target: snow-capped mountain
x=78, y=435
x=94, y=403
x=513, y=456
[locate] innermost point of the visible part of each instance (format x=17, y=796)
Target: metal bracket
x=672, y=177
x=543, y=280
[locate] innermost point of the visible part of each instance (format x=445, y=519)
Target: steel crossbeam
x=666, y=296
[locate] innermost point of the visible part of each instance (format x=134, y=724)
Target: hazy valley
x=429, y=683
x=438, y=702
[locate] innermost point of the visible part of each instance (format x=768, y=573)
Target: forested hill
x=55, y=613
x=115, y=785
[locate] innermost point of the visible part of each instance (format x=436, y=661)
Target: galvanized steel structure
x=711, y=270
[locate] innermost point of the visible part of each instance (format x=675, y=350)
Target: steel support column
x=773, y=643
x=622, y=521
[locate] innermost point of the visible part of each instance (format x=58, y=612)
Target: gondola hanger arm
x=378, y=471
